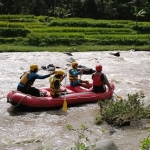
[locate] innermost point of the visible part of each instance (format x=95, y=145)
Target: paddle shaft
x=65, y=102
x=115, y=93
x=65, y=85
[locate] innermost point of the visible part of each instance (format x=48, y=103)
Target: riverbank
x=83, y=48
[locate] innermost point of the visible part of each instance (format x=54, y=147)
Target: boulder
x=86, y=70
x=105, y=144
x=68, y=53
x=115, y=54
x=71, y=60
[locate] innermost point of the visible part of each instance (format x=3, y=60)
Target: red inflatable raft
x=75, y=95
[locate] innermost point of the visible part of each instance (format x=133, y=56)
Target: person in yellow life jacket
x=55, y=83
x=100, y=80
x=73, y=76
x=27, y=80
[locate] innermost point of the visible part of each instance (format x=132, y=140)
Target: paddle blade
x=65, y=105
x=119, y=97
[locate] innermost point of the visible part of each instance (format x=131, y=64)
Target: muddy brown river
x=41, y=130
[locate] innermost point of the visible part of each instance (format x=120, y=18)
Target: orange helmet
x=98, y=67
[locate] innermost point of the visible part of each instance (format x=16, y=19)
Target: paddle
x=107, y=83
x=119, y=97
x=81, y=74
x=64, y=108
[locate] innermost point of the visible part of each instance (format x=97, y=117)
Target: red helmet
x=98, y=67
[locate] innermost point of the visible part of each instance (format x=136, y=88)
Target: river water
x=41, y=130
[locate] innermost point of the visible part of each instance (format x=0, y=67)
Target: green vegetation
x=26, y=33
x=116, y=113
x=145, y=143
x=122, y=112
x=83, y=137
x=96, y=9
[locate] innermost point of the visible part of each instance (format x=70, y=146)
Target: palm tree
x=137, y=14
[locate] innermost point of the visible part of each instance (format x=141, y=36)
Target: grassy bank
x=11, y=48
x=30, y=33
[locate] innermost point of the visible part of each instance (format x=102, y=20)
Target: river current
x=41, y=130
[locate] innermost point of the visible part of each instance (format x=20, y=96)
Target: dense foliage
x=122, y=112
x=96, y=9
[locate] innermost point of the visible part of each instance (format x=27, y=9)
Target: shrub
x=5, y=24
x=13, y=32
x=122, y=112
x=83, y=137
x=145, y=143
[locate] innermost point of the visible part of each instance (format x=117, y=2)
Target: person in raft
x=99, y=80
x=73, y=76
x=27, y=80
x=55, y=83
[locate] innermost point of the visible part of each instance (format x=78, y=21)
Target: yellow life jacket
x=72, y=77
x=24, y=79
x=52, y=81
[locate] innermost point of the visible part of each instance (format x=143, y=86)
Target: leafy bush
x=145, y=143
x=13, y=32
x=11, y=25
x=83, y=139
x=122, y=112
x=87, y=22
x=145, y=29
x=38, y=39
x=16, y=16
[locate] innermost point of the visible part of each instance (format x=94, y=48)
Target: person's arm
x=65, y=75
x=106, y=82
x=37, y=76
x=75, y=73
x=92, y=76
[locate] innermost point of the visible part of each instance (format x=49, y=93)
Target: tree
x=1, y=5
x=137, y=14
x=7, y=6
x=110, y=9
x=138, y=11
x=89, y=9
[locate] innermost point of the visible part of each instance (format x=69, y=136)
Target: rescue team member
x=27, y=80
x=73, y=76
x=100, y=80
x=55, y=83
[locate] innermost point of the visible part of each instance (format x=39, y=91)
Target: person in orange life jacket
x=55, y=83
x=100, y=80
x=73, y=76
x=27, y=80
